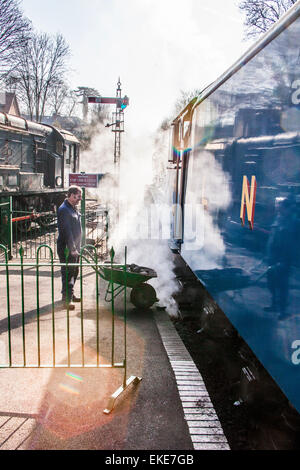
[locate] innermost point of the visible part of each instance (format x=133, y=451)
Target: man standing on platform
x=69, y=236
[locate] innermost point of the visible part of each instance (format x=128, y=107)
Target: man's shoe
x=69, y=306
x=76, y=299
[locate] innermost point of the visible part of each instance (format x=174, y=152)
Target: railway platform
x=62, y=409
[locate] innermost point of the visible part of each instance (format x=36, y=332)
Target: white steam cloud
x=209, y=191
x=141, y=190
x=144, y=210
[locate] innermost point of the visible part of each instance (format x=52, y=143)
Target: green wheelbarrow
x=142, y=295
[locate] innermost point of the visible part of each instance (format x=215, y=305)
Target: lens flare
x=69, y=389
x=74, y=376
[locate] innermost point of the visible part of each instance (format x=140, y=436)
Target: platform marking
x=204, y=426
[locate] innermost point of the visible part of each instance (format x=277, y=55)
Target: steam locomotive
x=234, y=173
x=35, y=161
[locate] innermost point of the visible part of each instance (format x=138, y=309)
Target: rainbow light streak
x=203, y=141
x=69, y=389
x=177, y=153
x=74, y=376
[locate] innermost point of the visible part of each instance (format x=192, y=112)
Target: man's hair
x=73, y=190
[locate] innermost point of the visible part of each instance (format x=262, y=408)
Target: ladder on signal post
x=118, y=127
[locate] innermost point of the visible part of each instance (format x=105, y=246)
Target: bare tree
x=261, y=14
x=63, y=100
x=57, y=97
x=15, y=31
x=71, y=103
x=85, y=92
x=39, y=70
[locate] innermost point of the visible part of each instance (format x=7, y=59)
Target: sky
x=156, y=47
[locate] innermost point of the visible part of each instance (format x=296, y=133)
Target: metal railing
x=5, y=223
x=30, y=229
x=32, y=286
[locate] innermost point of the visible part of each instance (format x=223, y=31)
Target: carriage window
x=5, y=150
x=12, y=180
x=71, y=152
x=67, y=153
x=59, y=147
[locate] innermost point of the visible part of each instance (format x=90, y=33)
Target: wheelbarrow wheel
x=143, y=296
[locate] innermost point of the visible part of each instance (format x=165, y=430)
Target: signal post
x=117, y=117
x=117, y=126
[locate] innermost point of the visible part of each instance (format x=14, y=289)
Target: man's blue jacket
x=69, y=227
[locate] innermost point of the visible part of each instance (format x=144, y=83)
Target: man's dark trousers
x=73, y=271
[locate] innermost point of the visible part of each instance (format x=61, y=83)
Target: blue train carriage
x=35, y=161
x=235, y=170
